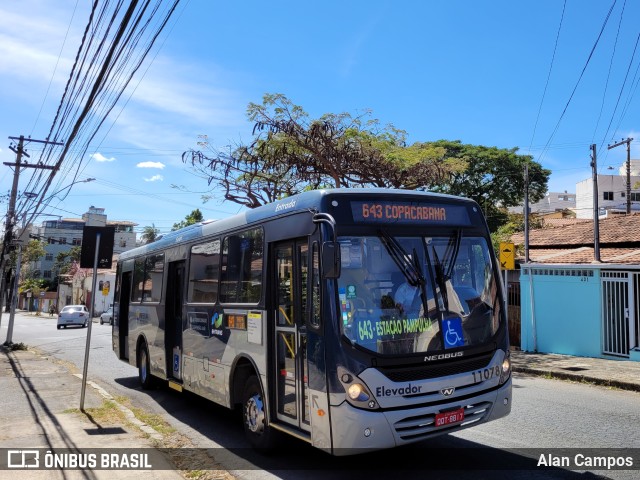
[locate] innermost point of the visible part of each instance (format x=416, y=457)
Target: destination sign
x=409, y=212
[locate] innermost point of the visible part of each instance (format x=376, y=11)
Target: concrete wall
x=567, y=307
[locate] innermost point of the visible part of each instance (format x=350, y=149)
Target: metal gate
x=619, y=314
x=635, y=320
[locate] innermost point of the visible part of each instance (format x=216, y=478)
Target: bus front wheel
x=146, y=380
x=254, y=416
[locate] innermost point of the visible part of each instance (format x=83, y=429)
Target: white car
x=107, y=317
x=73, y=315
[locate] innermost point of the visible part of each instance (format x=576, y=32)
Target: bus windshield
x=409, y=295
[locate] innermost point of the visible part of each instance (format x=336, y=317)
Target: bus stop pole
x=93, y=302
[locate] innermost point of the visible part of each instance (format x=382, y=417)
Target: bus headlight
x=506, y=368
x=358, y=394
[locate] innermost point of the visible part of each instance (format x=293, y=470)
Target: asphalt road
x=550, y=415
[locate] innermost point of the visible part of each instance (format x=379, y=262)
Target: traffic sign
x=507, y=256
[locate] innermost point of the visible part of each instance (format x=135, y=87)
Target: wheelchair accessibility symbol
x=453, y=335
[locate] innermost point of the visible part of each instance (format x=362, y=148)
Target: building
x=552, y=202
x=612, y=193
x=63, y=234
x=75, y=288
x=574, y=305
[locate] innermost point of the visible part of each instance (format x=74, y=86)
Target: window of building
x=48, y=257
x=607, y=195
x=47, y=274
x=635, y=196
x=241, y=272
x=62, y=240
x=51, y=240
x=77, y=241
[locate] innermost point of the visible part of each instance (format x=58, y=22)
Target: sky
x=542, y=76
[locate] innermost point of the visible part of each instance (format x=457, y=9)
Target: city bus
x=289, y=313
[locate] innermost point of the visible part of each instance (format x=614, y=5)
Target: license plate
x=447, y=418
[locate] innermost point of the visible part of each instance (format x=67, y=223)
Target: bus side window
x=203, y=273
x=241, y=269
x=138, y=280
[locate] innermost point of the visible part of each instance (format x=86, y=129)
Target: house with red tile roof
x=572, y=304
x=573, y=243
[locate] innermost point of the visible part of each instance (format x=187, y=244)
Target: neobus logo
x=442, y=356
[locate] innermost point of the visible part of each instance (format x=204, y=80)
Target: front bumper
x=355, y=430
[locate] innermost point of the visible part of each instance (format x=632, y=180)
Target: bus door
x=291, y=274
x=121, y=317
x=173, y=319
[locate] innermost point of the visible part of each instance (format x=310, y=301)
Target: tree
x=291, y=153
x=513, y=225
x=63, y=264
x=150, y=234
x=493, y=177
x=194, y=217
x=31, y=252
x=64, y=260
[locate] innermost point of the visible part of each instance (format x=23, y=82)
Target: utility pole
x=596, y=220
x=526, y=213
x=20, y=151
x=628, y=142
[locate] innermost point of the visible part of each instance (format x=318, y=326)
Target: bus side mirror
x=330, y=260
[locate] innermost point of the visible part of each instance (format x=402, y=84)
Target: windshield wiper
x=410, y=268
x=450, y=255
x=402, y=260
x=441, y=278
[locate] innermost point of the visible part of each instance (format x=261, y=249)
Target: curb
x=130, y=416
x=579, y=378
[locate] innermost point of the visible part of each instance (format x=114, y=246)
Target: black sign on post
x=105, y=250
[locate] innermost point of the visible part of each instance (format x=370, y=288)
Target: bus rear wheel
x=254, y=416
x=146, y=380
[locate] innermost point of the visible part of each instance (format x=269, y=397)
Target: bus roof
x=305, y=201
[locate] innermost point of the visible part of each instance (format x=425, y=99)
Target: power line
x=606, y=86
x=115, y=43
x=575, y=88
x=553, y=56
x=626, y=76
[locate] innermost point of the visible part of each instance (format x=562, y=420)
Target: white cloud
x=159, y=165
x=155, y=178
x=98, y=157
x=31, y=44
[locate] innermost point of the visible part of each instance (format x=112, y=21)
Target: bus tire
x=254, y=416
x=144, y=375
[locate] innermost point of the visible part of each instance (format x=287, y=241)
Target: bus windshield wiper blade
x=401, y=258
x=451, y=253
x=441, y=279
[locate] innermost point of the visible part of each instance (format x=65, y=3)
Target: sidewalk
x=40, y=403
x=623, y=374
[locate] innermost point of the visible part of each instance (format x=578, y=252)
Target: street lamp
x=14, y=293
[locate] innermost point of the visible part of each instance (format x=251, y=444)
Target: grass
x=154, y=421
x=192, y=464
x=106, y=414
